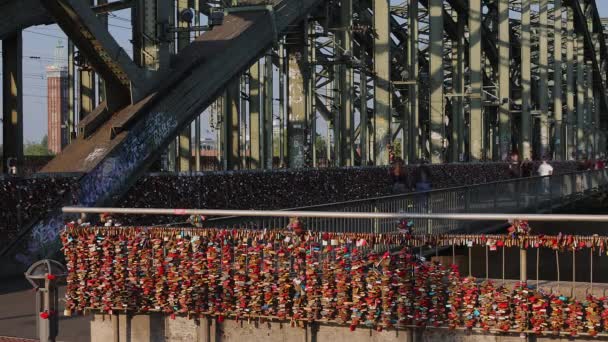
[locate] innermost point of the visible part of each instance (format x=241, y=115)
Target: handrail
x=327, y=214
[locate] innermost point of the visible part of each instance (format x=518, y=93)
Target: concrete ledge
x=156, y=327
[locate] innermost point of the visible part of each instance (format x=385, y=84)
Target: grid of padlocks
x=320, y=277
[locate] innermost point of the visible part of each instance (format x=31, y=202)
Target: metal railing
x=433, y=212
x=521, y=195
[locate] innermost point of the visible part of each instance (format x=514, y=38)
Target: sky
x=39, y=51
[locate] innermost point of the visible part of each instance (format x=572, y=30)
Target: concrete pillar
x=254, y=116
x=476, y=119
x=414, y=121
x=268, y=119
x=560, y=143
x=526, y=76
x=569, y=137
x=382, y=104
x=543, y=66
x=346, y=85
x=297, y=91
x=12, y=101
x=504, y=80
x=231, y=152
x=437, y=132
x=580, y=96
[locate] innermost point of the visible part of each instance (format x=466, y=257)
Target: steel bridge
x=452, y=81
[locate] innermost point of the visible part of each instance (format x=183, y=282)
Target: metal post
x=346, y=84
x=580, y=85
x=569, y=137
x=414, y=122
x=526, y=81
x=476, y=118
x=254, y=116
x=297, y=92
x=382, y=98
x=437, y=133
x=12, y=101
x=560, y=143
x=504, y=80
x=311, y=92
x=543, y=66
x=523, y=265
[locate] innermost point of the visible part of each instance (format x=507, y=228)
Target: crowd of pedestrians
x=23, y=200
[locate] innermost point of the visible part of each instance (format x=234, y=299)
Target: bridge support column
x=589, y=112
x=183, y=40
x=297, y=80
x=580, y=96
x=71, y=93
x=12, y=101
x=476, y=118
x=543, y=66
x=414, y=120
x=458, y=115
x=382, y=103
x=526, y=79
x=504, y=80
x=569, y=138
x=437, y=131
x=347, y=117
x=560, y=143
x=268, y=118
x=254, y=116
x=231, y=152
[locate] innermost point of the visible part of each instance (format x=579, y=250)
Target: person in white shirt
x=545, y=170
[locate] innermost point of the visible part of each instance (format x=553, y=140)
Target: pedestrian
x=398, y=174
x=423, y=177
x=545, y=170
x=515, y=166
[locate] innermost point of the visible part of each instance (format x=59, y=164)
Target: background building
x=57, y=83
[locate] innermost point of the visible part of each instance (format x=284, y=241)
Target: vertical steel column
x=283, y=139
x=103, y=18
x=230, y=127
x=571, y=92
x=311, y=97
x=504, y=93
x=543, y=66
x=86, y=93
x=589, y=112
x=346, y=84
x=580, y=86
x=12, y=101
x=382, y=103
x=476, y=118
x=526, y=83
x=560, y=143
x=364, y=119
x=254, y=116
x=197, y=121
x=183, y=40
x=412, y=53
x=297, y=79
x=437, y=132
x=268, y=119
x=71, y=100
x=458, y=64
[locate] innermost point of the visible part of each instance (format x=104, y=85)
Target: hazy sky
x=39, y=51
